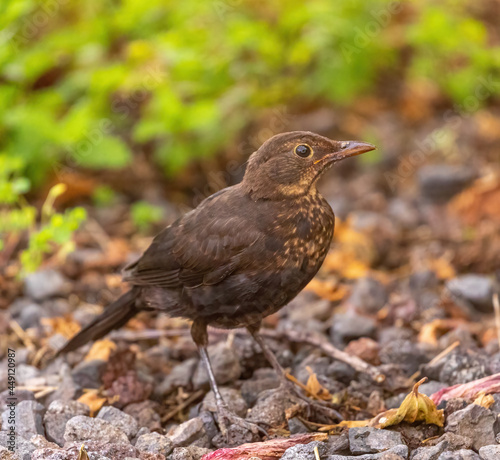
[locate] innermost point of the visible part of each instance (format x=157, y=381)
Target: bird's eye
x=303, y=150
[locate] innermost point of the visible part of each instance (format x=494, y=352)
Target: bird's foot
x=236, y=430
x=316, y=409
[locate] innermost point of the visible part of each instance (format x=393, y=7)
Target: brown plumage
x=243, y=253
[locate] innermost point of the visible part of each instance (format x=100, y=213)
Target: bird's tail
x=114, y=316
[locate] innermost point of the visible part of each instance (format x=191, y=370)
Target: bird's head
x=289, y=164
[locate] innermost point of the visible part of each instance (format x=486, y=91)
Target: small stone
x=476, y=290
x=23, y=449
x=189, y=453
x=180, y=377
x=462, y=454
x=119, y=419
x=350, y=326
x=405, y=353
x=52, y=454
x=25, y=373
x=368, y=295
x=304, y=451
x=262, y=380
x=438, y=183
x=463, y=367
x=154, y=443
x=270, y=408
x=83, y=428
x=232, y=398
x=39, y=442
x=395, y=453
x=190, y=433
x=58, y=414
x=28, y=417
x=225, y=364
x=45, y=283
x=21, y=395
x=146, y=413
x=88, y=374
x=491, y=452
x=367, y=440
x=295, y=426
x=475, y=422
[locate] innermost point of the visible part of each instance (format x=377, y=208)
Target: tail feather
x=114, y=316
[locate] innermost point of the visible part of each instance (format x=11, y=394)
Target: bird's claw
x=226, y=419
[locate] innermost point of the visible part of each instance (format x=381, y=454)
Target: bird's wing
x=202, y=248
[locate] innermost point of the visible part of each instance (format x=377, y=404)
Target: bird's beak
x=351, y=149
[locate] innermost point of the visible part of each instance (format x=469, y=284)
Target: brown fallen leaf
x=268, y=450
x=101, y=349
x=486, y=385
x=416, y=407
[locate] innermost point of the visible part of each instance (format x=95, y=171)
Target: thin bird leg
x=219, y=401
x=226, y=418
x=285, y=383
x=270, y=356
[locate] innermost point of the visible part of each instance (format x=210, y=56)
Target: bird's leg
x=226, y=418
x=285, y=383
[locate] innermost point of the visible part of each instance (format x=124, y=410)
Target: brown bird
x=241, y=255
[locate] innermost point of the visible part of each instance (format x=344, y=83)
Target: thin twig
x=326, y=347
x=182, y=405
x=316, y=453
x=356, y=363
x=434, y=360
x=21, y=333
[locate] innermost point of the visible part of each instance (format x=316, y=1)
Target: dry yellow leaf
x=313, y=387
x=92, y=399
x=101, y=350
x=344, y=424
x=442, y=268
x=484, y=400
x=416, y=407
x=326, y=290
x=64, y=325
x=353, y=252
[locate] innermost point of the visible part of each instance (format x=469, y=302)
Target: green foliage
x=88, y=83
x=145, y=214
x=55, y=230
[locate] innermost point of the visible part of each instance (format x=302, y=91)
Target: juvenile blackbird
x=241, y=255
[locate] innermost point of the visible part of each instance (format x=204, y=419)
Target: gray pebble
x=367, y=440
x=119, y=419
x=475, y=422
x=83, y=428
x=45, y=283
x=58, y=414
x=154, y=443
